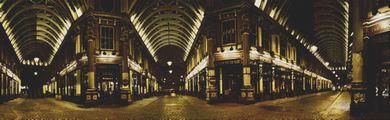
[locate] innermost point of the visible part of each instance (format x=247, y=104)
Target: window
x=107, y=38
x=259, y=36
x=78, y=45
x=283, y=45
x=228, y=31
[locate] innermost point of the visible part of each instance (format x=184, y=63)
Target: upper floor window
x=107, y=38
x=228, y=31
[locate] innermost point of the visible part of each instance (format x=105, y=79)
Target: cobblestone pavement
x=328, y=105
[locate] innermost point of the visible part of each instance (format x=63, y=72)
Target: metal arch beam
x=10, y=8
x=165, y=32
x=17, y=38
x=45, y=55
x=329, y=5
x=326, y=18
x=332, y=46
x=18, y=30
x=155, y=1
x=326, y=41
x=152, y=15
x=165, y=23
x=327, y=25
x=183, y=40
x=325, y=35
x=169, y=16
x=36, y=7
x=171, y=29
x=156, y=30
x=32, y=32
x=142, y=12
x=158, y=39
x=169, y=39
x=29, y=24
x=34, y=37
x=64, y=7
x=35, y=43
x=162, y=44
x=340, y=36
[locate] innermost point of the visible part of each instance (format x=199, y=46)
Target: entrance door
x=232, y=82
x=108, y=82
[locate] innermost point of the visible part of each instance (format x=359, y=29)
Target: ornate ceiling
x=330, y=27
x=167, y=22
x=36, y=28
x=331, y=30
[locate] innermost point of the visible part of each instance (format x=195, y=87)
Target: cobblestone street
x=329, y=105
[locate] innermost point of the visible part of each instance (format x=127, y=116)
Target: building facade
x=102, y=60
x=243, y=55
x=10, y=81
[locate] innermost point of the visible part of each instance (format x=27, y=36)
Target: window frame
x=101, y=37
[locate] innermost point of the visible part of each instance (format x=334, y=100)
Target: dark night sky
x=301, y=16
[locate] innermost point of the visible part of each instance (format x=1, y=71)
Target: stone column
x=246, y=90
x=125, y=87
x=91, y=96
x=358, y=90
x=211, y=90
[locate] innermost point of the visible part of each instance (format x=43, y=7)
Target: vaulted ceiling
x=331, y=30
x=330, y=26
x=36, y=28
x=162, y=23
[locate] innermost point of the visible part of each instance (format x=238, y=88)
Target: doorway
x=108, y=83
x=232, y=82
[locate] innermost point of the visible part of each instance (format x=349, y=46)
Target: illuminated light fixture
x=327, y=63
x=313, y=48
x=36, y=59
x=181, y=76
x=170, y=71
x=351, y=34
x=169, y=63
x=35, y=73
x=334, y=72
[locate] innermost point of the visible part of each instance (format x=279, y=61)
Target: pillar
x=91, y=97
x=358, y=89
x=125, y=96
x=247, y=89
x=211, y=90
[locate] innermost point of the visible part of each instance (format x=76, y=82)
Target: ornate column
x=246, y=90
x=246, y=96
x=91, y=96
x=211, y=90
x=125, y=96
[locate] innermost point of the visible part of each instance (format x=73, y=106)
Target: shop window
x=107, y=38
x=228, y=31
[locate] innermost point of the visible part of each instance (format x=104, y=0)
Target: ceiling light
x=169, y=63
x=313, y=48
x=35, y=73
x=36, y=59
x=170, y=71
